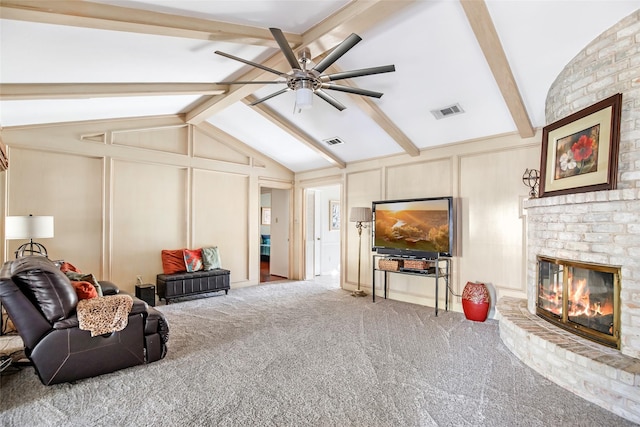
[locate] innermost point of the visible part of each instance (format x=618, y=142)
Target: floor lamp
x=360, y=216
x=29, y=227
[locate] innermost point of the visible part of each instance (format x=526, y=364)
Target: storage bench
x=170, y=286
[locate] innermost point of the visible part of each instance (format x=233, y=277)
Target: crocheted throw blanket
x=104, y=315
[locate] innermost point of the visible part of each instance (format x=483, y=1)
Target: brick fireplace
x=598, y=228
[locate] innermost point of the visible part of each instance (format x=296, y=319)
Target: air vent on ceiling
x=333, y=141
x=449, y=111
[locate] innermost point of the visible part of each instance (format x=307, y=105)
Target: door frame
x=278, y=185
x=306, y=217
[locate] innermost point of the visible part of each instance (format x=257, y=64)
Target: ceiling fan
x=307, y=82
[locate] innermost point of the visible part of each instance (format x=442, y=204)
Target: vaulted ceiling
x=65, y=61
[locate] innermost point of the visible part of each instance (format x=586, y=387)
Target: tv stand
x=436, y=268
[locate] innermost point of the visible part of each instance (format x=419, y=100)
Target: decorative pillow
x=65, y=266
x=84, y=290
x=211, y=258
x=79, y=277
x=173, y=261
x=193, y=259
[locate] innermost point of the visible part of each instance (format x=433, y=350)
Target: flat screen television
x=420, y=228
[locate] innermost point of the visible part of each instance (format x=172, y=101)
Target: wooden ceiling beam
x=21, y=91
x=107, y=17
x=295, y=131
x=357, y=15
x=487, y=36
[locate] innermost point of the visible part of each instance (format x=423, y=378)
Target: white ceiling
x=437, y=56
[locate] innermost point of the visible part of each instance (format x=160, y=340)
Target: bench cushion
x=176, y=285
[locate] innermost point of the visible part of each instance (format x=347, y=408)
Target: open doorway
x=274, y=234
x=323, y=222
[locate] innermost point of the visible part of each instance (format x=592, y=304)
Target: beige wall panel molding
x=221, y=218
x=68, y=137
x=319, y=182
x=100, y=137
x=275, y=183
x=363, y=188
x=68, y=187
x=403, y=177
x=170, y=139
x=430, y=178
x=209, y=148
x=491, y=225
x=149, y=213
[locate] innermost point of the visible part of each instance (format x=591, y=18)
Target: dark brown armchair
x=41, y=302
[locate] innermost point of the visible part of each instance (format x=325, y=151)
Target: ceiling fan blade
x=358, y=73
x=253, y=64
x=249, y=82
x=280, y=92
x=330, y=99
x=285, y=48
x=354, y=90
x=336, y=53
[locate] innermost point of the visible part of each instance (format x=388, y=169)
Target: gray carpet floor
x=309, y=354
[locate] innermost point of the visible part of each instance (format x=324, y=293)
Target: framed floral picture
x=580, y=152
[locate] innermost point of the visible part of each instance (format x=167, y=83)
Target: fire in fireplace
x=581, y=298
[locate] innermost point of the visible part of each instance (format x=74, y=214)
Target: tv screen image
x=413, y=227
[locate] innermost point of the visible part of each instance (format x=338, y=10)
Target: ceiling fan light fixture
x=304, y=98
x=307, y=82
x=304, y=95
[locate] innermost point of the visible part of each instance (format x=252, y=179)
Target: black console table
x=432, y=268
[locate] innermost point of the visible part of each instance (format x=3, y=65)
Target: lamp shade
x=28, y=227
x=360, y=214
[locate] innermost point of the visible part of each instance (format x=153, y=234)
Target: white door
x=279, y=260
x=309, y=232
x=317, y=233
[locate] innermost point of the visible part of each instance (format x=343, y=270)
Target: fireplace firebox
x=581, y=298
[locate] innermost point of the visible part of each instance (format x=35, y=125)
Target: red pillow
x=69, y=267
x=173, y=261
x=84, y=290
x=193, y=259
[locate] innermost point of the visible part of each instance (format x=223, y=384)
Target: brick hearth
x=597, y=373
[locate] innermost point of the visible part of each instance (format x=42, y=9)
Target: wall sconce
x=531, y=178
x=29, y=227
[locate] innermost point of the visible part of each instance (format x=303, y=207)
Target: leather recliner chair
x=41, y=302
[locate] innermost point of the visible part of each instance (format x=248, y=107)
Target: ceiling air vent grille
x=449, y=111
x=333, y=141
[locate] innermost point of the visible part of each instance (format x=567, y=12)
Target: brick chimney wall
x=598, y=227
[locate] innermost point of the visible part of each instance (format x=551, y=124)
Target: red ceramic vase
x=476, y=301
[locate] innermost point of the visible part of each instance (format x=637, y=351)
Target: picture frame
x=580, y=151
x=334, y=215
x=266, y=216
